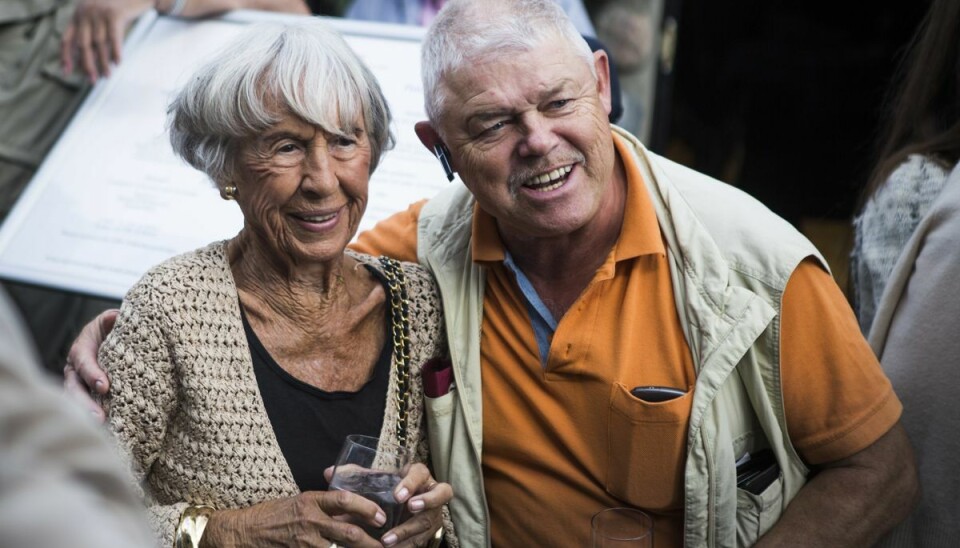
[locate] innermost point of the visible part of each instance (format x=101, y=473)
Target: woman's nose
x=319, y=174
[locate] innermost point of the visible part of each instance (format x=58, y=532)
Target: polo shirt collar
x=639, y=235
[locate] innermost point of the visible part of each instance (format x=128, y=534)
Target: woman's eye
x=287, y=148
x=344, y=142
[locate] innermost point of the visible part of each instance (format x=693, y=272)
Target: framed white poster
x=111, y=200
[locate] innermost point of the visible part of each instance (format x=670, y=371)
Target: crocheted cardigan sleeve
x=142, y=397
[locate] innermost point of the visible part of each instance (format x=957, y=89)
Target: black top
x=311, y=424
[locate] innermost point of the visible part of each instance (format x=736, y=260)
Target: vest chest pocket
x=440, y=415
x=646, y=445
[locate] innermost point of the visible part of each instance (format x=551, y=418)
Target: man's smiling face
x=528, y=133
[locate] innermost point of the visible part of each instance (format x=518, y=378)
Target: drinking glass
x=622, y=527
x=372, y=469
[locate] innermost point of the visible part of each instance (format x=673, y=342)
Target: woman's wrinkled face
x=303, y=191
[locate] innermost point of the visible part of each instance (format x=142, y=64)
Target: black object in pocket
x=758, y=473
x=656, y=394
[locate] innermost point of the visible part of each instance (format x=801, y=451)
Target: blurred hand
x=310, y=519
x=83, y=373
x=200, y=8
x=94, y=36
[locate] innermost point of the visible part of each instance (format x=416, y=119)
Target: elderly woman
x=238, y=369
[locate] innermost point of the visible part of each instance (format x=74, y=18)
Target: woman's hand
x=424, y=497
x=311, y=519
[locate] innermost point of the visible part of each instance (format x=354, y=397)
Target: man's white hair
x=271, y=69
x=471, y=31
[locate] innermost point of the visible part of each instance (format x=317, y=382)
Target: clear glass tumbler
x=622, y=527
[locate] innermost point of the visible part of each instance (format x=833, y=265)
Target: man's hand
x=94, y=36
x=853, y=501
x=83, y=373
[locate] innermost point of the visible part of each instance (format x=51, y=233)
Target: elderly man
x=624, y=331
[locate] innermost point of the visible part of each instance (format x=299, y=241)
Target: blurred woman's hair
x=922, y=110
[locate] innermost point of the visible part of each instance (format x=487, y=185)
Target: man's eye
x=287, y=148
x=559, y=103
x=494, y=127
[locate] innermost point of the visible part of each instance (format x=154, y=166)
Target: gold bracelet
x=437, y=539
x=193, y=521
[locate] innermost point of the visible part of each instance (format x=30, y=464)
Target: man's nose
x=538, y=136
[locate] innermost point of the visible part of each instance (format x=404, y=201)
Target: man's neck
x=561, y=267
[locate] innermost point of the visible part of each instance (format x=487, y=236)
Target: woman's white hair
x=471, y=31
x=272, y=69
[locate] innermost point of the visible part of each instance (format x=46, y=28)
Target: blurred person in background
x=37, y=100
x=60, y=482
x=905, y=267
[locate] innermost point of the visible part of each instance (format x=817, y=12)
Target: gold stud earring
x=228, y=192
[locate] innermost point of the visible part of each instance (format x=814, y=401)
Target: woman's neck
x=323, y=324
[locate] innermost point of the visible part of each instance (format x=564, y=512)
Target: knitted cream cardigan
x=184, y=403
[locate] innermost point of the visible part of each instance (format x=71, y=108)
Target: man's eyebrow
x=562, y=87
x=490, y=114
x=487, y=115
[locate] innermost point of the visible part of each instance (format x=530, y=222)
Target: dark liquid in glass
x=378, y=487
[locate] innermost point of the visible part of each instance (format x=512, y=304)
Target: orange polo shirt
x=563, y=441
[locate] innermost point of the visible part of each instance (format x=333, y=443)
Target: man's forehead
x=561, y=62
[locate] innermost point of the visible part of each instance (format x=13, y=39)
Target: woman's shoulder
x=422, y=293
x=202, y=268
x=414, y=272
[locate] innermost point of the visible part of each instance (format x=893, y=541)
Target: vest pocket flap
x=437, y=408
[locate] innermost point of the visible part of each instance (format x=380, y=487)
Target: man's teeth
x=318, y=218
x=545, y=178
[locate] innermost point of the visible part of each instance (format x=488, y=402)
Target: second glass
x=622, y=527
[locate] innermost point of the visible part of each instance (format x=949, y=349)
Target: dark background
x=783, y=99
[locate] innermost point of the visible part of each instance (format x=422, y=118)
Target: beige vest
x=730, y=261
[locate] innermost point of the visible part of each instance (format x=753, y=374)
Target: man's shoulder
x=751, y=238
x=446, y=220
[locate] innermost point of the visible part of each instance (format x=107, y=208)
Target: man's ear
x=601, y=62
x=431, y=139
x=428, y=136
